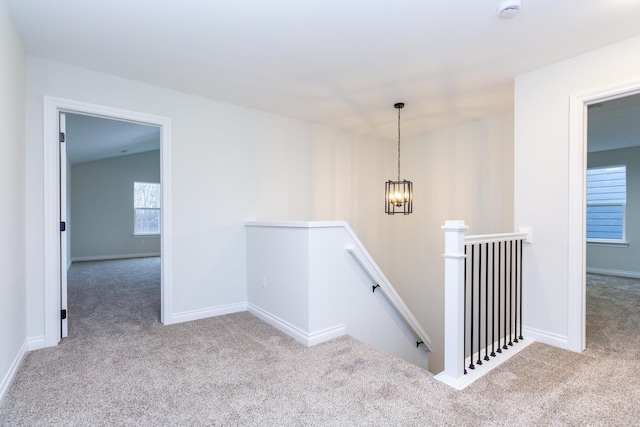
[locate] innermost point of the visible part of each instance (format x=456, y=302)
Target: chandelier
x=398, y=195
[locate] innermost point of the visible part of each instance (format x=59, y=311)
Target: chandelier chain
x=398, y=144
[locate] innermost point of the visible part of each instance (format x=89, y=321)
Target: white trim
x=52, y=107
x=609, y=243
x=303, y=337
x=482, y=370
x=113, y=256
x=488, y=238
x=326, y=334
x=298, y=224
x=13, y=370
x=51, y=227
x=188, y=316
x=35, y=343
x=610, y=272
x=576, y=229
x=546, y=337
x=282, y=325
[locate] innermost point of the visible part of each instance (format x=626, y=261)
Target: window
x=146, y=204
x=606, y=200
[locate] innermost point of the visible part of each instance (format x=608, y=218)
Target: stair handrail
x=488, y=238
x=382, y=284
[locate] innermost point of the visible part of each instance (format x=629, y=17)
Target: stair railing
x=483, y=297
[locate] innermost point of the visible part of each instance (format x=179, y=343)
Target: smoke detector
x=508, y=9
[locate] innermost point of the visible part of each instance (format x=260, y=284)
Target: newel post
x=454, y=260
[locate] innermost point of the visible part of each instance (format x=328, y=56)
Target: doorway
x=110, y=205
x=612, y=209
x=578, y=117
x=54, y=269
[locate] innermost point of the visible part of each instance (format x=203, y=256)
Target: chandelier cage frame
x=398, y=195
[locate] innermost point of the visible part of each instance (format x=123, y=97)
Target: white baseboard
x=545, y=337
x=482, y=370
x=13, y=370
x=610, y=272
x=35, y=343
x=326, y=334
x=303, y=337
x=114, y=256
x=286, y=327
x=187, y=316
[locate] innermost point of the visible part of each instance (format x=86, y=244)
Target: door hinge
x=63, y=226
x=63, y=314
x=62, y=136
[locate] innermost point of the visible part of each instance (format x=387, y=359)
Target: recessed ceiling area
x=337, y=63
x=94, y=138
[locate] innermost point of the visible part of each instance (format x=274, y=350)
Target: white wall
x=315, y=290
x=542, y=160
x=621, y=260
x=229, y=164
x=102, y=206
x=12, y=191
x=278, y=273
x=465, y=173
x=349, y=175
x=232, y=164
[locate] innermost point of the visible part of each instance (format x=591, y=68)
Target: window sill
x=620, y=244
x=145, y=234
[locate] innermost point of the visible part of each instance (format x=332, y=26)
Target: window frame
x=136, y=209
x=622, y=241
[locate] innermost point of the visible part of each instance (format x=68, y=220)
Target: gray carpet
x=122, y=367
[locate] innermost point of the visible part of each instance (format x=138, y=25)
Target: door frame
x=576, y=227
x=64, y=236
x=52, y=235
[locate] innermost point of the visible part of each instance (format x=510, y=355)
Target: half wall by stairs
x=303, y=278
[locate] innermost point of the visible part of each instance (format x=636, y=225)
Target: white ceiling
x=91, y=138
x=334, y=62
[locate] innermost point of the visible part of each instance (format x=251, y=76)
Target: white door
x=63, y=226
